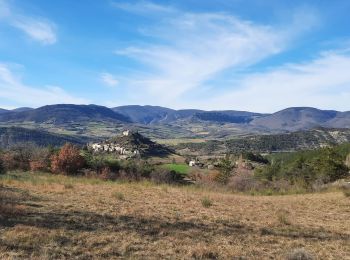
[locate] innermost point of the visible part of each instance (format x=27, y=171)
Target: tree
x=2, y=166
x=68, y=160
x=226, y=167
x=347, y=161
x=330, y=166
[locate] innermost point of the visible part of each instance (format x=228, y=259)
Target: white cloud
x=14, y=90
x=195, y=48
x=143, y=7
x=322, y=83
x=109, y=80
x=38, y=29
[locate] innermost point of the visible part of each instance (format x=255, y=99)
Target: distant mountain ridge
x=158, y=115
x=154, y=114
x=289, y=119
x=286, y=120
x=298, y=118
x=284, y=142
x=62, y=113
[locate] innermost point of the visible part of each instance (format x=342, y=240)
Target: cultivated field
x=46, y=216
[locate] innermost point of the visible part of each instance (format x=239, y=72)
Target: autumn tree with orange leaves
x=68, y=160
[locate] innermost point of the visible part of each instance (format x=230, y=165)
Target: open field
x=180, y=168
x=46, y=216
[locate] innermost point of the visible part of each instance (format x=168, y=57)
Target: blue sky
x=254, y=55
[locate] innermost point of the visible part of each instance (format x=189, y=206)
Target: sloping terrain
x=59, y=114
x=22, y=109
x=10, y=136
x=3, y=111
x=298, y=118
x=136, y=141
x=164, y=123
x=154, y=114
x=56, y=217
x=299, y=140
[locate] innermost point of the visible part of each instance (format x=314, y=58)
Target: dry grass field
x=48, y=217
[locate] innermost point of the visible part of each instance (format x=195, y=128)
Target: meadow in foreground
x=47, y=216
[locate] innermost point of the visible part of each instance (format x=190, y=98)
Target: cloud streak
x=109, y=80
x=14, y=90
x=195, y=48
x=38, y=29
x=323, y=82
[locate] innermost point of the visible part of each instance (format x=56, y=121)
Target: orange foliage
x=67, y=161
x=38, y=166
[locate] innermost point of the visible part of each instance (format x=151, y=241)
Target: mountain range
x=186, y=122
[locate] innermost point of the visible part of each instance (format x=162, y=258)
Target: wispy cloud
x=14, y=90
x=143, y=7
x=108, y=79
x=323, y=82
x=194, y=48
x=37, y=28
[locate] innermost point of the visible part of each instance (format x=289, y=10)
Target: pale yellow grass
x=86, y=220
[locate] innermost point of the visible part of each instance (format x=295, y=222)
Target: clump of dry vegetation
x=299, y=254
x=206, y=202
x=47, y=220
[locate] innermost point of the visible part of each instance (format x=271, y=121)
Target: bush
x=165, y=176
x=68, y=160
x=206, y=202
x=299, y=254
x=2, y=166
x=119, y=196
x=255, y=157
x=107, y=174
x=304, y=169
x=40, y=159
x=243, y=182
x=226, y=166
x=18, y=157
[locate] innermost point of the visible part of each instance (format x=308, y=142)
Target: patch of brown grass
x=89, y=221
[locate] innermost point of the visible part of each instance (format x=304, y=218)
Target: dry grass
x=164, y=222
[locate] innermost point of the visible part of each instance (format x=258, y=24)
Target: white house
x=126, y=133
x=192, y=163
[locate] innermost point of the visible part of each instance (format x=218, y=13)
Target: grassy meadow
x=179, y=168
x=45, y=216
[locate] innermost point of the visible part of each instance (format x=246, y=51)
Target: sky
x=252, y=55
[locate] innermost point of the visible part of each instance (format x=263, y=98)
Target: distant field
x=179, y=141
x=180, y=168
x=46, y=216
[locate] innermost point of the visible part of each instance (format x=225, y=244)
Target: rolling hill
x=299, y=140
x=297, y=118
x=154, y=114
x=3, y=111
x=60, y=114
x=165, y=123
x=10, y=136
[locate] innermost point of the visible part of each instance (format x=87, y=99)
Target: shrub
x=206, y=202
x=255, y=157
x=347, y=161
x=2, y=166
x=299, y=254
x=119, y=195
x=106, y=174
x=40, y=159
x=346, y=191
x=165, y=176
x=18, y=157
x=243, y=182
x=226, y=167
x=282, y=217
x=68, y=160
